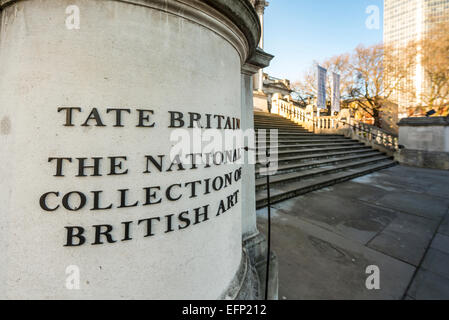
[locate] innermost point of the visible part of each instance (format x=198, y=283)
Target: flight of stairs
x=308, y=162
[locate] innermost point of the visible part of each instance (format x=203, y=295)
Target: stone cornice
x=260, y=6
x=244, y=16
x=424, y=121
x=240, y=24
x=259, y=60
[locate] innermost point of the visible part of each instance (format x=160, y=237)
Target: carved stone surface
x=424, y=142
x=424, y=121
x=87, y=188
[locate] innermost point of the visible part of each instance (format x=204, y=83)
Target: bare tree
x=369, y=77
x=307, y=87
x=300, y=98
x=338, y=64
x=434, y=56
x=378, y=72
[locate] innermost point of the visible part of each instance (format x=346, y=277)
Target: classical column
x=93, y=96
x=253, y=241
x=260, y=6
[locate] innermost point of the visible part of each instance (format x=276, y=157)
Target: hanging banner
x=335, y=92
x=321, y=85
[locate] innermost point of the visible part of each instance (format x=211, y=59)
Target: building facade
x=411, y=20
x=266, y=86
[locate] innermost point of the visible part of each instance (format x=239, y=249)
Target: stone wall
x=424, y=142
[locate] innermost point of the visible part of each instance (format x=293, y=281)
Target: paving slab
x=325, y=239
x=347, y=217
x=437, y=262
x=419, y=204
x=429, y=286
x=441, y=243
x=315, y=263
x=358, y=191
x=406, y=238
x=426, y=181
x=444, y=228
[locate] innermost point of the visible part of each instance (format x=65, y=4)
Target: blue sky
x=299, y=32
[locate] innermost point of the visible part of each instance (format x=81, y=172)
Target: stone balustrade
x=343, y=123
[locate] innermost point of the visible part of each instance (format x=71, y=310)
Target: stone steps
x=316, y=145
x=287, y=153
x=284, y=178
x=320, y=155
x=277, y=125
x=307, y=161
x=302, y=141
x=296, y=188
x=286, y=168
x=285, y=131
x=269, y=121
x=299, y=135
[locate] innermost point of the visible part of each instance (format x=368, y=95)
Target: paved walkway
x=396, y=219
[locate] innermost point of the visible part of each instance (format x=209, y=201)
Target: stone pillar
x=424, y=142
x=249, y=226
x=254, y=242
x=260, y=6
x=269, y=102
x=94, y=205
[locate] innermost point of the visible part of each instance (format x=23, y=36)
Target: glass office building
x=409, y=20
